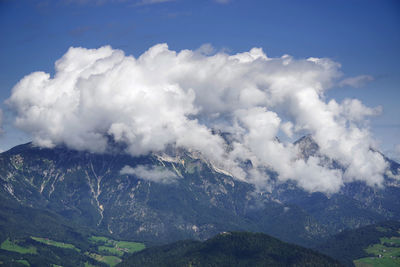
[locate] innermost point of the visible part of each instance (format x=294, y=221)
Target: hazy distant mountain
x=178, y=195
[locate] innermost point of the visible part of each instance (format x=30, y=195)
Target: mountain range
x=200, y=201
x=174, y=195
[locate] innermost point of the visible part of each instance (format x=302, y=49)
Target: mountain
x=351, y=245
x=114, y=193
x=230, y=249
x=90, y=190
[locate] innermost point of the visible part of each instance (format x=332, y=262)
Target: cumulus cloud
x=185, y=98
x=154, y=174
x=357, y=81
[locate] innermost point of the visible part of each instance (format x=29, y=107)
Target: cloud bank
x=184, y=98
x=149, y=173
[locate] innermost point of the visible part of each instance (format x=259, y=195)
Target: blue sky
x=363, y=36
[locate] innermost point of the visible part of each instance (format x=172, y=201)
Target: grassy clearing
x=54, y=243
x=391, y=241
x=130, y=247
x=12, y=246
x=386, y=254
x=24, y=262
x=118, y=248
x=110, y=260
x=377, y=262
x=99, y=239
x=379, y=249
x=112, y=250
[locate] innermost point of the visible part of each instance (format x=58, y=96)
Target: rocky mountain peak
x=307, y=146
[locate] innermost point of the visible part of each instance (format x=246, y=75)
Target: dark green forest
x=230, y=249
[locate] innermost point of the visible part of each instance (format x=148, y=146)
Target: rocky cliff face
x=199, y=202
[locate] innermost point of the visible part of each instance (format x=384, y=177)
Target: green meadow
x=385, y=254
x=13, y=246
x=54, y=243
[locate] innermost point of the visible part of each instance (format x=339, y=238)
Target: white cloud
x=357, y=81
x=287, y=128
x=166, y=97
x=154, y=174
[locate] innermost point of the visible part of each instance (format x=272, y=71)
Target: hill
x=230, y=249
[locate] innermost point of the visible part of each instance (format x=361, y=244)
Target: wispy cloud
x=357, y=81
x=153, y=174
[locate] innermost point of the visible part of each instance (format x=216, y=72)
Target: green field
x=393, y=240
x=116, y=247
x=24, y=262
x=54, y=243
x=377, y=262
x=110, y=260
x=112, y=250
x=130, y=247
x=384, y=255
x=12, y=246
x=99, y=239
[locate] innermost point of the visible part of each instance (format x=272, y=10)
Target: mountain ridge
x=89, y=189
